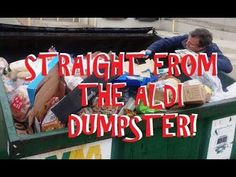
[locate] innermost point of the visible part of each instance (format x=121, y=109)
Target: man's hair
x=205, y=36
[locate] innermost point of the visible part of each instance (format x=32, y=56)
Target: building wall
x=127, y=22
x=222, y=28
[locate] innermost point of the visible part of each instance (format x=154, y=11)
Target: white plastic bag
x=213, y=82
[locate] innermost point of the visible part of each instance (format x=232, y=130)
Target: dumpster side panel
x=3, y=137
x=3, y=131
x=55, y=140
x=233, y=154
x=157, y=147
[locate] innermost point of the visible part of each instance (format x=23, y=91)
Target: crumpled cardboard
x=194, y=94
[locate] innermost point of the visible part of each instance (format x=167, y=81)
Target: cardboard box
x=40, y=79
x=194, y=94
x=159, y=92
x=42, y=89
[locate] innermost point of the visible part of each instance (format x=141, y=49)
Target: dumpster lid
x=22, y=28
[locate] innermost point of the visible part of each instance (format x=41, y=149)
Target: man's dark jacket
x=178, y=42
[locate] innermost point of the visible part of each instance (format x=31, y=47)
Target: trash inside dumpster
x=68, y=113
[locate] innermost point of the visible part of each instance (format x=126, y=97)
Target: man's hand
x=146, y=53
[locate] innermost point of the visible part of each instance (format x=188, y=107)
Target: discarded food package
x=142, y=74
x=51, y=122
x=71, y=103
x=209, y=92
x=42, y=89
x=72, y=81
x=19, y=104
x=195, y=94
x=86, y=110
x=142, y=109
x=159, y=91
x=3, y=64
x=136, y=81
x=16, y=69
x=107, y=110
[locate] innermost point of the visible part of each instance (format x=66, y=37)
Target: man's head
x=199, y=39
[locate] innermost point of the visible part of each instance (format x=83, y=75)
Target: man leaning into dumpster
x=198, y=41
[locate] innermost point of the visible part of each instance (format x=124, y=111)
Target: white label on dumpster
x=8, y=147
x=222, y=137
x=95, y=150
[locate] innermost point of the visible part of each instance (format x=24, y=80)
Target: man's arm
x=167, y=43
x=223, y=63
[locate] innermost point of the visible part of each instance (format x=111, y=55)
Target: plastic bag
x=213, y=82
x=20, y=104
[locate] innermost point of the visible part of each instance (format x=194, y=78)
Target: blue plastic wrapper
x=135, y=81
